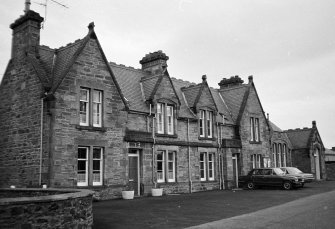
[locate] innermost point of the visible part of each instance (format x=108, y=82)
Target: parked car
x=270, y=177
x=308, y=177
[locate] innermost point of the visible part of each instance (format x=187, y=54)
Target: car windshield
x=292, y=170
x=278, y=171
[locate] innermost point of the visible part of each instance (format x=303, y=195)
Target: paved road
x=317, y=211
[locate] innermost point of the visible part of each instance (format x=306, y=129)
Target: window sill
x=207, y=138
x=167, y=135
x=91, y=128
x=254, y=142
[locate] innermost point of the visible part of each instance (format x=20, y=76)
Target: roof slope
x=274, y=127
x=221, y=106
x=300, y=138
x=233, y=98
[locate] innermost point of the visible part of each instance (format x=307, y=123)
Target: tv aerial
x=45, y=5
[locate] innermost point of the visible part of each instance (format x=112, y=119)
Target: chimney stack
x=154, y=62
x=231, y=82
x=26, y=33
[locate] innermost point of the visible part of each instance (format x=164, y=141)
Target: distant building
x=330, y=163
x=308, y=151
x=70, y=118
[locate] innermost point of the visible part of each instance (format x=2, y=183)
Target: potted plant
x=156, y=190
x=128, y=192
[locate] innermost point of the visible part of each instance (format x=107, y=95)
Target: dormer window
x=165, y=119
x=206, y=124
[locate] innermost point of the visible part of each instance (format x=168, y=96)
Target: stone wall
x=20, y=109
x=63, y=209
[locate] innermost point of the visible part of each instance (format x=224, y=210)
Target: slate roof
x=300, y=138
x=233, y=98
x=274, y=127
x=129, y=80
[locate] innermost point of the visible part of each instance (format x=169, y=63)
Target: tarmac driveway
x=185, y=210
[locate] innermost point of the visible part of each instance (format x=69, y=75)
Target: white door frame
x=137, y=155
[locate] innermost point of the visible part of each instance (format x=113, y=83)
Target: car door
x=267, y=178
x=258, y=177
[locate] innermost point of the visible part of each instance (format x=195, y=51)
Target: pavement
x=201, y=209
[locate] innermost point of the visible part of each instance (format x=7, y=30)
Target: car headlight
x=296, y=179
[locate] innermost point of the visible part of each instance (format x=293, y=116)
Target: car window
x=267, y=172
x=278, y=171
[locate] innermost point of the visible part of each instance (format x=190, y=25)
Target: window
x=166, y=161
x=284, y=155
x=279, y=155
x=165, y=119
x=254, y=129
x=256, y=161
x=160, y=166
x=89, y=166
x=274, y=154
x=82, y=179
x=87, y=116
x=160, y=118
x=206, y=161
x=97, y=108
x=206, y=124
x=97, y=166
x=84, y=106
x=169, y=112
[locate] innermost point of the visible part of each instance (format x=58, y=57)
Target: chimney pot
x=204, y=78
x=314, y=124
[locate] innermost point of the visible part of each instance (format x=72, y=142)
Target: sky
x=288, y=45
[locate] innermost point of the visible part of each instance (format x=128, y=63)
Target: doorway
x=134, y=170
x=236, y=159
x=317, y=164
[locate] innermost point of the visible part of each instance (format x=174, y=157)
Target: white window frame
x=274, y=154
x=284, y=154
x=173, y=161
x=100, y=159
x=160, y=118
x=256, y=129
x=203, y=167
x=86, y=111
x=209, y=122
x=252, y=134
x=97, y=115
x=83, y=183
x=169, y=114
x=279, y=155
x=202, y=124
x=253, y=160
x=162, y=178
x=211, y=167
x=258, y=160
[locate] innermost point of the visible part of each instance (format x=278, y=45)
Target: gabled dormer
x=159, y=92
x=200, y=99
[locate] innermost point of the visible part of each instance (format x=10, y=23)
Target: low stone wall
x=46, y=208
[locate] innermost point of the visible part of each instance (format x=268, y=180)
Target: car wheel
x=250, y=185
x=287, y=185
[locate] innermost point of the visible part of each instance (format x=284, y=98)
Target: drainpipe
x=153, y=150
x=189, y=156
x=41, y=139
x=218, y=152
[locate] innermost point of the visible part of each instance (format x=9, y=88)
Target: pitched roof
x=129, y=80
x=300, y=138
x=222, y=107
x=233, y=98
x=274, y=127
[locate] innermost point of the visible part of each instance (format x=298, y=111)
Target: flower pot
x=128, y=195
x=156, y=191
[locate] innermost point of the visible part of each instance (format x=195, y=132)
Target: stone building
x=308, y=151
x=70, y=118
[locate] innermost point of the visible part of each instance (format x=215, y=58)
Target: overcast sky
x=287, y=45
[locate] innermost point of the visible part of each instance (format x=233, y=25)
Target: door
x=317, y=164
x=134, y=170
x=236, y=168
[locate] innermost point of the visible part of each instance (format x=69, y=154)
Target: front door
x=134, y=170
x=236, y=168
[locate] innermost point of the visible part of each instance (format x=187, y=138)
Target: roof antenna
x=45, y=5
